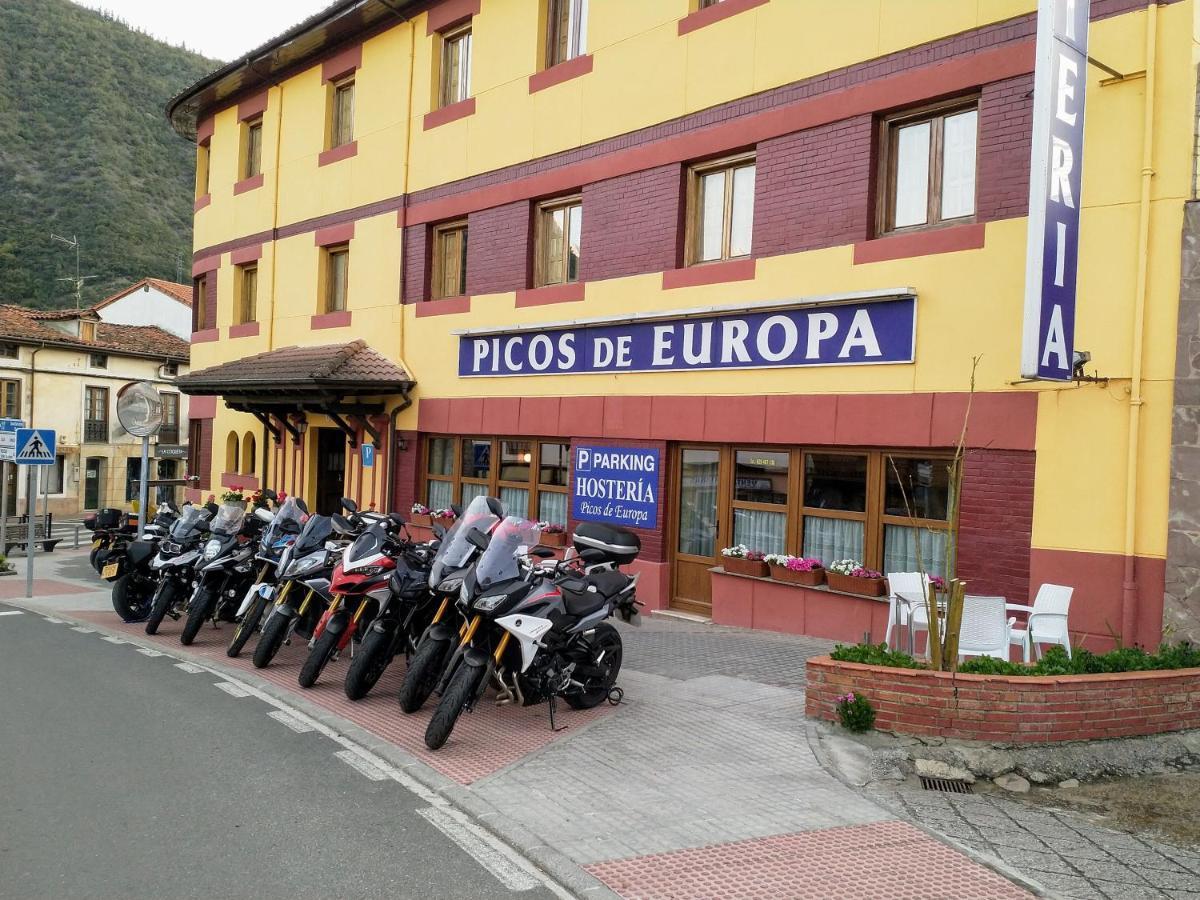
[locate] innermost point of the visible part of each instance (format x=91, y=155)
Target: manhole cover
x=945, y=785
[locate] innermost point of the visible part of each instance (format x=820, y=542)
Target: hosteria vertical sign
x=618, y=485
x=1052, y=256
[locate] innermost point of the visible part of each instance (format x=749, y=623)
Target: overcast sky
x=220, y=29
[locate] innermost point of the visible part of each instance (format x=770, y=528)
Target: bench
x=17, y=535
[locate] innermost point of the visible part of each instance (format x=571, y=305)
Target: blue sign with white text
x=882, y=331
x=368, y=455
x=617, y=485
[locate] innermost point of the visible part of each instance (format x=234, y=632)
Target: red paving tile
x=483, y=742
x=13, y=587
x=890, y=860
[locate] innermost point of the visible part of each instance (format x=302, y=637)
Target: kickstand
x=553, y=704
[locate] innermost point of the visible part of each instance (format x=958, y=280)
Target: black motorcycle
x=126, y=566
x=174, y=565
x=225, y=569
x=109, y=526
x=273, y=555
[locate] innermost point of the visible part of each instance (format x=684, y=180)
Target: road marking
x=114, y=640
x=192, y=668
x=475, y=843
x=364, y=767
x=12, y=612
x=83, y=630
x=52, y=620
x=290, y=721
x=145, y=651
x=231, y=689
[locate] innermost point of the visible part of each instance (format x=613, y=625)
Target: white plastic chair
x=1047, y=621
x=906, y=604
x=985, y=629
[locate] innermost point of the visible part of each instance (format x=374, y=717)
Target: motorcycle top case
x=109, y=517
x=620, y=545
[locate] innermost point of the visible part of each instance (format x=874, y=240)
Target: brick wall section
x=995, y=522
x=499, y=249
x=405, y=472
x=416, y=264
x=653, y=542
x=1005, y=138
x=200, y=458
x=812, y=188
x=632, y=224
x=1010, y=710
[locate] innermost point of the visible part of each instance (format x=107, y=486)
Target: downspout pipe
x=1129, y=595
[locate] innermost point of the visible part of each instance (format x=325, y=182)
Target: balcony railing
x=168, y=434
x=95, y=432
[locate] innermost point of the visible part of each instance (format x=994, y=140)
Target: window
x=202, y=169
x=455, y=82
x=704, y=4
x=200, y=314
x=928, y=160
x=529, y=477
x=55, y=474
x=449, y=260
x=341, y=129
x=95, y=415
x=337, y=277
x=232, y=456
x=10, y=351
x=11, y=399
x=87, y=331
x=917, y=504
x=252, y=148
x=247, y=310
x=835, y=505
x=721, y=201
x=566, y=25
x=760, y=496
x=169, y=433
x=195, y=448
x=559, y=230
x=170, y=370
x=98, y=360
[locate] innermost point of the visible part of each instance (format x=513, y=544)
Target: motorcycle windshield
x=455, y=549
x=190, y=519
x=510, y=542
x=316, y=532
x=229, y=519
x=289, y=520
x=366, y=545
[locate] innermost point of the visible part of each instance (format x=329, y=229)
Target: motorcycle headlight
x=450, y=585
x=368, y=570
x=487, y=604
x=307, y=565
x=211, y=549
x=463, y=594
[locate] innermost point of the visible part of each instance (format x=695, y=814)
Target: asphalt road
x=123, y=776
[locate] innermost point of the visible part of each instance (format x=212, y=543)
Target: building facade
x=724, y=271
x=151, y=301
x=63, y=370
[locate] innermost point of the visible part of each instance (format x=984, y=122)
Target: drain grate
x=945, y=785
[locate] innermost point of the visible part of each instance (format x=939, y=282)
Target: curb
x=557, y=866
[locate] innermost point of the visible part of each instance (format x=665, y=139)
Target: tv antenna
x=77, y=281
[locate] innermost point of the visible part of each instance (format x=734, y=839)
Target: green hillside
x=85, y=150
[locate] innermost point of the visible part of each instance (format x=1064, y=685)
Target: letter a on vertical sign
x=1055, y=182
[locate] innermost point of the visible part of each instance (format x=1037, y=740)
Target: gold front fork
x=441, y=610
x=470, y=632
x=501, y=647
x=362, y=606
x=283, y=593
x=304, y=603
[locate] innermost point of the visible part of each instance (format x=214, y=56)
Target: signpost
x=8, y=453
x=34, y=447
x=1055, y=180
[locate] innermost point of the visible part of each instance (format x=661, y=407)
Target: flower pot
x=446, y=523
x=735, y=565
x=419, y=519
x=849, y=584
x=811, y=578
x=553, y=539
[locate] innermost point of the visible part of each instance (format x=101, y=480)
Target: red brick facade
x=996, y=523
x=500, y=249
x=1010, y=710
x=632, y=224
x=1005, y=138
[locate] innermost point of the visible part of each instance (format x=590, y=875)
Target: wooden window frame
x=97, y=425
x=169, y=433
x=441, y=233
x=203, y=169
x=87, y=331
x=328, y=276
x=9, y=350
x=694, y=231
x=785, y=507
x=541, y=262
x=493, y=482
x=576, y=38
x=200, y=304
x=250, y=167
x=886, y=143
x=447, y=38
x=97, y=360
x=5, y=385
x=247, y=306
x=335, y=89
x=705, y=4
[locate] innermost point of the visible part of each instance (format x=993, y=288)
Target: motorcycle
x=225, y=567
x=174, y=566
x=451, y=565
x=273, y=552
x=563, y=647
x=108, y=527
x=127, y=566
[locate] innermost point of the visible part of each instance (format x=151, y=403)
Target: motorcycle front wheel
x=273, y=635
x=318, y=657
x=368, y=664
x=605, y=643
x=164, y=597
x=423, y=673
x=201, y=608
x=462, y=688
x=132, y=599
x=247, y=626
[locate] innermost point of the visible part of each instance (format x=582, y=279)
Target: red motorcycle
x=358, y=586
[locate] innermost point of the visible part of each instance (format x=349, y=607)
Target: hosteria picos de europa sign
x=618, y=485
x=787, y=334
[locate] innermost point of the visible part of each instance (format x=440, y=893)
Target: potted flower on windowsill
x=234, y=495
x=796, y=569
x=741, y=560
x=851, y=577
x=420, y=515
x=444, y=517
x=553, y=534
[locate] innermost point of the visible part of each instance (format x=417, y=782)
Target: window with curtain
x=917, y=503
x=12, y=399
x=529, y=477
x=554, y=462
x=449, y=260
x=760, y=496
x=566, y=25
x=721, y=201
x=929, y=166
x=699, y=481
x=516, y=468
x=439, y=469
x=835, y=506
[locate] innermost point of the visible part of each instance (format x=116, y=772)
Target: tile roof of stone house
x=28, y=326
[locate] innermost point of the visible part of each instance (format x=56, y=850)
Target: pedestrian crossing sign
x=35, y=446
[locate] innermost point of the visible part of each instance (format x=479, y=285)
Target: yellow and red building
x=426, y=198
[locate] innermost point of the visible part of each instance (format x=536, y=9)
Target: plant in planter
x=419, y=514
x=553, y=534
x=444, y=517
x=796, y=569
x=741, y=560
x=234, y=495
x=852, y=577
x=855, y=712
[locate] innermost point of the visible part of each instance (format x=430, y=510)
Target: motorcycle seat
x=610, y=582
x=582, y=603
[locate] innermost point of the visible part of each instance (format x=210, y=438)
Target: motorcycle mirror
x=270, y=494
x=457, y=507
x=341, y=524
x=349, y=505
x=477, y=539
x=438, y=530
x=542, y=552
x=396, y=519
x=212, y=508
x=303, y=506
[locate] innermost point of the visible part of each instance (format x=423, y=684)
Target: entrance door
x=11, y=475
x=331, y=470
x=698, y=535
x=92, y=493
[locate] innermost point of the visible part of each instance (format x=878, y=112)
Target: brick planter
x=1004, y=710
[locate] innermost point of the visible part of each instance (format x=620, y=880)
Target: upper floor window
x=170, y=370
x=705, y=4
x=200, y=311
x=247, y=309
x=98, y=360
x=341, y=128
x=928, y=165
x=721, y=209
x=559, y=228
x=566, y=25
x=252, y=148
x=337, y=277
x=202, y=169
x=95, y=414
x=169, y=433
x=455, y=83
x=449, y=260
x=9, y=351
x=87, y=331
x=10, y=399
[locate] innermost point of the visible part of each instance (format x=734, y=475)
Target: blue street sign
x=35, y=446
x=11, y=424
x=8, y=438
x=618, y=485
x=368, y=455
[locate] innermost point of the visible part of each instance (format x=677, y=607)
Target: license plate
x=110, y=570
x=96, y=544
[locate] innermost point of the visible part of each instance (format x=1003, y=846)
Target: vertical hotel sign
x=1052, y=254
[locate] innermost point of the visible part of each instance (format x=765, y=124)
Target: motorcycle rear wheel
x=273, y=634
x=247, y=626
x=201, y=609
x=423, y=674
x=131, y=599
x=368, y=664
x=461, y=690
x=318, y=657
x=607, y=639
x=164, y=597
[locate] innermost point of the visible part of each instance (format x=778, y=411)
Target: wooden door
x=331, y=470
x=698, y=533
